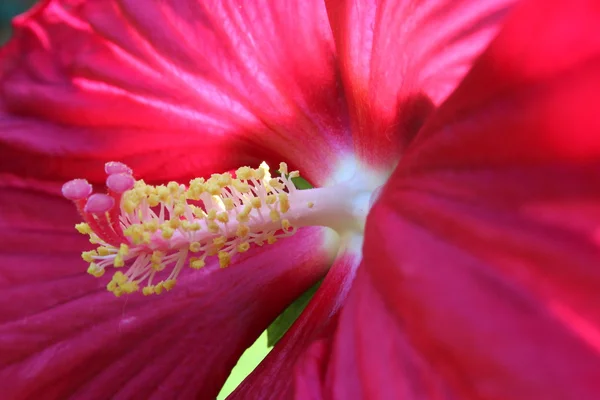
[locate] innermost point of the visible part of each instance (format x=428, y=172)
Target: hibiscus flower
x=475, y=275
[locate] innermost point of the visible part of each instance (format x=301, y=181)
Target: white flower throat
x=153, y=232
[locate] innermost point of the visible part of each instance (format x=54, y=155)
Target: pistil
x=157, y=230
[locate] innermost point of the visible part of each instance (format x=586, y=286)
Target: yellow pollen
x=242, y=231
x=243, y=247
x=310, y=204
x=197, y=263
x=83, y=228
x=223, y=217
x=283, y=168
x=195, y=247
x=224, y=259
x=88, y=256
x=256, y=203
x=166, y=224
x=274, y=215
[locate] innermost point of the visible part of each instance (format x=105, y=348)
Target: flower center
x=157, y=230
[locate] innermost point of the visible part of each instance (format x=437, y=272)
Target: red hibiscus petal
x=182, y=82
x=483, y=246
x=528, y=100
x=272, y=379
x=63, y=335
x=369, y=357
x=400, y=59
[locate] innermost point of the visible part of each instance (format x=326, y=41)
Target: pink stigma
x=99, y=203
x=120, y=183
x=115, y=167
x=77, y=189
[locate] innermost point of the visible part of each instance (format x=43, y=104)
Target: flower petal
x=483, y=245
x=272, y=379
x=369, y=357
x=400, y=59
x=63, y=335
x=183, y=81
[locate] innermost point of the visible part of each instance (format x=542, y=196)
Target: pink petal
x=481, y=256
x=196, y=84
x=400, y=59
x=63, y=335
x=272, y=379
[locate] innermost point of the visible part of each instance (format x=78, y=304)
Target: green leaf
x=282, y=323
x=301, y=183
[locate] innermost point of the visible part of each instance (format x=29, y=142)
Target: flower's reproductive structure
x=158, y=230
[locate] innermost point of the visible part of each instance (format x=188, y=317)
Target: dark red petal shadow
x=401, y=58
x=188, y=84
x=63, y=335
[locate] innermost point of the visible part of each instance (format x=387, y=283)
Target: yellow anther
x=242, y=217
x=223, y=179
x=163, y=193
x=228, y=203
x=271, y=199
x=243, y=247
x=174, y=223
x=118, y=261
x=196, y=263
x=195, y=247
x=103, y=251
x=190, y=226
x=198, y=212
x=173, y=187
x=156, y=257
x=88, y=256
x=212, y=214
x=179, y=210
x=153, y=201
x=243, y=173
x=94, y=270
x=130, y=287
x=167, y=232
x=285, y=225
x=196, y=188
x=213, y=188
x=294, y=174
x=123, y=249
x=283, y=168
x=223, y=217
x=213, y=227
x=242, y=231
x=148, y=290
x=224, y=259
x=256, y=203
x=240, y=186
x=158, y=289
x=150, y=226
x=274, y=214
x=284, y=203
x=271, y=239
x=276, y=184
x=129, y=206
x=169, y=284
x=83, y=228
x=119, y=278
x=219, y=242
x=310, y=204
